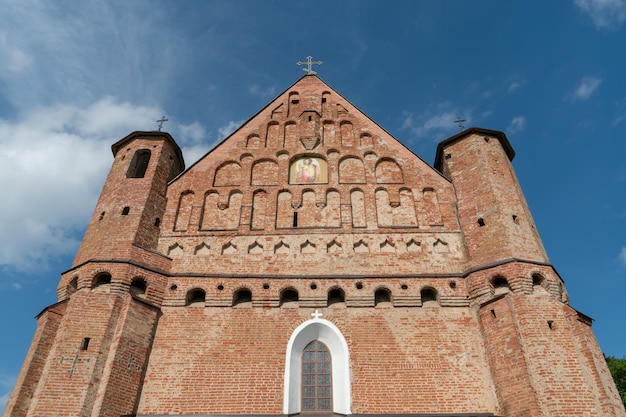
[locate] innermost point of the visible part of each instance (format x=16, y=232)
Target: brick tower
x=311, y=263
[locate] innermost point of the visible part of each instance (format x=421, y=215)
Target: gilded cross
x=316, y=315
x=309, y=63
x=74, y=360
x=161, y=121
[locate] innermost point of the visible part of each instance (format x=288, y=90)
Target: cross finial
x=161, y=121
x=460, y=121
x=316, y=315
x=309, y=63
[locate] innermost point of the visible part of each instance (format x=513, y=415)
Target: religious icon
x=309, y=170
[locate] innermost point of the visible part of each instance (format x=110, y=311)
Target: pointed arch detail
x=327, y=333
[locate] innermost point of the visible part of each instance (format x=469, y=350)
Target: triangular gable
x=309, y=159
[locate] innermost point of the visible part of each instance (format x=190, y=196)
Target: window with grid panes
x=316, y=378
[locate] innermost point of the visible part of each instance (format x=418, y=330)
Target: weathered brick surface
x=436, y=281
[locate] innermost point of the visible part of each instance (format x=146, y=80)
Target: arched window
x=429, y=297
x=316, y=378
x=382, y=295
x=72, y=286
x=336, y=296
x=196, y=296
x=288, y=296
x=242, y=297
x=139, y=164
x=138, y=286
x=326, y=333
x=500, y=285
x=101, y=279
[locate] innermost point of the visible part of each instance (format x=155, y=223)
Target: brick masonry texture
x=192, y=288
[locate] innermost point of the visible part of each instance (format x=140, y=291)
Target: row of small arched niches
x=335, y=294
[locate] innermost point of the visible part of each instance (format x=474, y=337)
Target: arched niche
x=351, y=171
x=388, y=172
x=229, y=173
x=264, y=172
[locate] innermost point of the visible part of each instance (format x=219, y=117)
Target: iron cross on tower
x=161, y=121
x=460, y=122
x=309, y=63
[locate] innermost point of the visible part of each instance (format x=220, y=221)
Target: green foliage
x=618, y=370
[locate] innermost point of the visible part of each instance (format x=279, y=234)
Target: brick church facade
x=311, y=263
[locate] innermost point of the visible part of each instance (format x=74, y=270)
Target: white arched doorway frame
x=327, y=333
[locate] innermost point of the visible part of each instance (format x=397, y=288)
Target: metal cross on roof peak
x=161, y=121
x=460, y=121
x=309, y=63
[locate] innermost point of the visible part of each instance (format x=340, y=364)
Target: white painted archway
x=327, y=333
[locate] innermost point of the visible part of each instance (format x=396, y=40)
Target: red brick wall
x=232, y=360
x=379, y=218
x=36, y=358
x=487, y=189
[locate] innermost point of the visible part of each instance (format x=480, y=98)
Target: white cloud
x=517, y=124
x=12, y=59
x=622, y=255
x=228, y=128
x=257, y=90
x=586, y=87
x=50, y=52
x=53, y=161
x=605, y=14
x=191, y=133
x=438, y=123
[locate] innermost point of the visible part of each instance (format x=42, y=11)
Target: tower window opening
x=101, y=216
x=125, y=211
x=138, y=286
x=382, y=295
x=289, y=296
x=139, y=164
x=500, y=285
x=295, y=219
x=550, y=324
x=196, y=296
x=157, y=222
x=72, y=286
x=242, y=297
x=481, y=222
x=429, y=296
x=85, y=343
x=101, y=279
x=336, y=296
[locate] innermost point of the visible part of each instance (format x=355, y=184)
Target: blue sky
x=77, y=76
